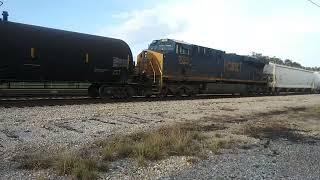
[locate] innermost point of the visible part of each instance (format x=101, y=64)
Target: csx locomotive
x=181, y=68
x=37, y=59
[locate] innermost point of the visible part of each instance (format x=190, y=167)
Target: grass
x=179, y=140
x=315, y=111
x=78, y=168
x=41, y=178
x=64, y=164
x=168, y=141
x=215, y=145
x=35, y=161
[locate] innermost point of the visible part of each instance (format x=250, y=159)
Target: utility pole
x=5, y=14
x=1, y=3
x=314, y=3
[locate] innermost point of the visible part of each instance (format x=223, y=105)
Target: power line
x=316, y=4
x=1, y=3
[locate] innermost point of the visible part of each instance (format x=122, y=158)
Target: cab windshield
x=162, y=45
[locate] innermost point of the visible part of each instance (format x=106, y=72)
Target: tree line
x=286, y=62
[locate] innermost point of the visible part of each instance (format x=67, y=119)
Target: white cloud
x=226, y=25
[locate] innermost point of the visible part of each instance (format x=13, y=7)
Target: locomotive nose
x=142, y=62
x=150, y=63
x=144, y=56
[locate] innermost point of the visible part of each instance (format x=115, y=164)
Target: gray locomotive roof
x=179, y=41
x=245, y=58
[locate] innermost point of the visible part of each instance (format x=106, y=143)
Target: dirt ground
x=258, y=126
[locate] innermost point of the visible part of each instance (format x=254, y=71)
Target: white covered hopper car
x=290, y=79
x=317, y=81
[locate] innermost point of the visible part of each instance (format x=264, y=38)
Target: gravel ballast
x=283, y=160
x=71, y=127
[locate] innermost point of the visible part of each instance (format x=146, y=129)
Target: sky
x=288, y=29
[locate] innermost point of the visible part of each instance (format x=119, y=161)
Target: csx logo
x=184, y=60
x=232, y=66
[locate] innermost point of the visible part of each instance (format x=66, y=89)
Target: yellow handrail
x=154, y=72
x=161, y=74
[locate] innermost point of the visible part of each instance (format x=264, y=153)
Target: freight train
x=41, y=59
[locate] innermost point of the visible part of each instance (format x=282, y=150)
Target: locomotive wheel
x=105, y=91
x=147, y=93
x=121, y=93
x=130, y=92
x=244, y=93
x=93, y=91
x=164, y=93
x=190, y=93
x=276, y=93
x=117, y=93
x=180, y=92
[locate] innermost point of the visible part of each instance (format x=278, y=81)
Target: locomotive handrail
x=154, y=72
x=161, y=74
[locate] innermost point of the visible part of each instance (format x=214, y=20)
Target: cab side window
x=177, y=49
x=184, y=51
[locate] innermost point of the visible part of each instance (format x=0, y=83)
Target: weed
x=37, y=160
x=65, y=164
x=85, y=170
x=315, y=111
x=166, y=141
x=192, y=160
x=79, y=168
x=41, y=178
x=118, y=148
x=215, y=145
x=179, y=140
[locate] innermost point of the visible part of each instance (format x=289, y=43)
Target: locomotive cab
x=160, y=54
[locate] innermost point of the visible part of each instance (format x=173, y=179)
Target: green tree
x=286, y=62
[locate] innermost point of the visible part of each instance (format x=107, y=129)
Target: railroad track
x=80, y=100
x=41, y=98
x=59, y=101
x=45, y=101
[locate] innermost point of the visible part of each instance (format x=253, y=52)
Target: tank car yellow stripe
x=33, y=53
x=87, y=58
